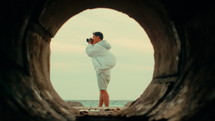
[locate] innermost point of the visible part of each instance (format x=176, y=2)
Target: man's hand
x=91, y=42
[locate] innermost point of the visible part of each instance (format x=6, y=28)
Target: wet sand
x=98, y=111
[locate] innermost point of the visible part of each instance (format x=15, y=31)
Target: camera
x=89, y=40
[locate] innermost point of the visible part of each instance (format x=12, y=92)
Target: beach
x=94, y=103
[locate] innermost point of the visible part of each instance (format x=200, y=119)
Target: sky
x=72, y=72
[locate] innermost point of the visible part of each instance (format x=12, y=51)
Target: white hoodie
x=102, y=58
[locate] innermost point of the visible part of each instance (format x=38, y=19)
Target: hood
x=105, y=44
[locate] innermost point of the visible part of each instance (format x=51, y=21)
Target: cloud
x=132, y=44
x=62, y=65
x=67, y=47
x=134, y=67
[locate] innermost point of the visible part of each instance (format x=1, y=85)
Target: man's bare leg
x=105, y=96
x=101, y=101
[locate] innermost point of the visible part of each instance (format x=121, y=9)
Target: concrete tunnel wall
x=182, y=35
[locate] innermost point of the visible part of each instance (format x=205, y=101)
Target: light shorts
x=103, y=78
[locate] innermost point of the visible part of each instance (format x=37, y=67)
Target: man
x=103, y=61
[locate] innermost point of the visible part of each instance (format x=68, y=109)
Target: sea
x=94, y=103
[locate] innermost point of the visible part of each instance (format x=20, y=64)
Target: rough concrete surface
x=182, y=35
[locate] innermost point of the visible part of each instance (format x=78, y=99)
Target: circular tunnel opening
x=72, y=71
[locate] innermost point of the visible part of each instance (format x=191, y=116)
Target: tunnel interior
x=182, y=87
